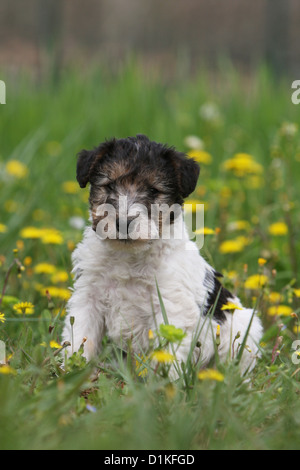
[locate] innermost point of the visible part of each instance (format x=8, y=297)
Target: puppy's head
x=132, y=177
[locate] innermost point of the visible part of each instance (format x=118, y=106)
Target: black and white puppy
x=124, y=256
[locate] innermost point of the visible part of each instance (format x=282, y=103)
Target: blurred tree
x=277, y=34
x=50, y=18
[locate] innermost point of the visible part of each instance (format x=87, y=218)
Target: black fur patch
x=217, y=297
x=141, y=162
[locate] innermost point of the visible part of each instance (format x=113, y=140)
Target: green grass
x=44, y=125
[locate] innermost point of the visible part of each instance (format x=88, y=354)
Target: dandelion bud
x=261, y=261
x=150, y=335
x=218, y=341
x=81, y=348
x=237, y=336
x=72, y=321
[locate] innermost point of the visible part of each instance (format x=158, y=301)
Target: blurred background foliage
x=213, y=79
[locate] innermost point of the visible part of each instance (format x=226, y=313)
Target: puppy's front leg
x=84, y=322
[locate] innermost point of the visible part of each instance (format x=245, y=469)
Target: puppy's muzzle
x=123, y=226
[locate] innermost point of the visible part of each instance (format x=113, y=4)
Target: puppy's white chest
x=129, y=310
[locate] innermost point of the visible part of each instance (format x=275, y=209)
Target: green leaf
x=171, y=333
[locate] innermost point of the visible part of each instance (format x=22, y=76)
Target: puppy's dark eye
x=153, y=191
x=110, y=186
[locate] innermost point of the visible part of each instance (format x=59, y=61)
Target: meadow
x=244, y=131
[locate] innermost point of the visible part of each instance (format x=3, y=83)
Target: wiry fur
x=115, y=289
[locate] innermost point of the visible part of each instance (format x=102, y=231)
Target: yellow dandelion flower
x=205, y=231
x=262, y=261
x=200, y=156
x=191, y=205
x=150, y=335
x=44, y=268
x=297, y=292
x=3, y=228
x=232, y=275
x=70, y=187
x=256, y=281
x=46, y=235
x=243, y=164
x=283, y=310
x=54, y=345
x=59, y=276
x=232, y=246
x=162, y=356
x=26, y=308
x=275, y=297
x=2, y=318
x=143, y=372
x=211, y=374
x=296, y=329
x=31, y=232
x=140, y=365
x=51, y=237
x=278, y=229
x=7, y=370
x=231, y=306
x=16, y=169
x=57, y=292
x=27, y=261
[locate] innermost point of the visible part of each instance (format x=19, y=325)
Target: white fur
x=115, y=293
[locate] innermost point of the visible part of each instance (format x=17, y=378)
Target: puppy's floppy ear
x=186, y=170
x=189, y=174
x=87, y=160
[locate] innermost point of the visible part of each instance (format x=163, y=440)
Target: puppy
x=125, y=260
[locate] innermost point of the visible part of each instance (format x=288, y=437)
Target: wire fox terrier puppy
x=131, y=252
